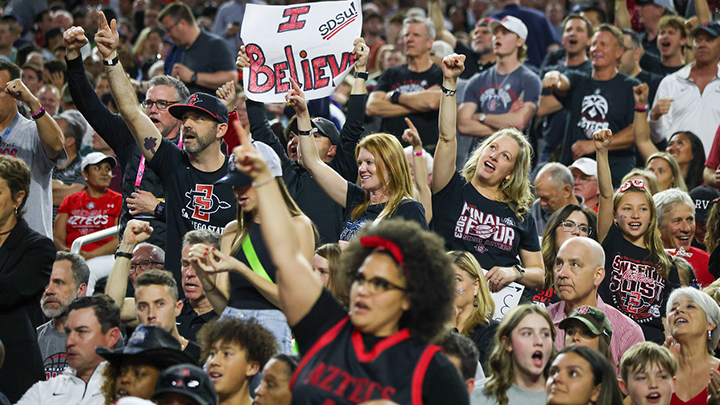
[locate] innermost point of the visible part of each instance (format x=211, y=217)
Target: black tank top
x=243, y=295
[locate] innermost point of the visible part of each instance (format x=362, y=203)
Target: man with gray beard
x=68, y=281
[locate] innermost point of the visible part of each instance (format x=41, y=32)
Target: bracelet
x=305, y=133
x=264, y=183
x=39, y=113
x=361, y=75
x=642, y=109
x=447, y=91
x=124, y=254
x=114, y=61
x=418, y=153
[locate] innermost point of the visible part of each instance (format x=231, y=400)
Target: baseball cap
x=512, y=24
x=593, y=318
x=95, y=158
x=151, y=343
x=711, y=28
x=585, y=165
x=703, y=197
x=239, y=179
x=201, y=102
x=484, y=22
x=324, y=126
x=189, y=380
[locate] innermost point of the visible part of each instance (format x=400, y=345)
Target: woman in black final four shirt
x=400, y=298
x=485, y=211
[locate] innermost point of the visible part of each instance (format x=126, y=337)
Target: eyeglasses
x=569, y=226
x=143, y=265
x=161, y=104
x=376, y=285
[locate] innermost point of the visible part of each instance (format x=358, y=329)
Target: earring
x=475, y=302
x=709, y=335
x=15, y=208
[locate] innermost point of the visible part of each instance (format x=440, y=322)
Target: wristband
x=361, y=75
x=642, y=109
x=395, y=97
x=448, y=92
x=264, y=183
x=39, y=113
x=418, y=153
x=124, y=254
x=114, y=61
x=520, y=270
x=306, y=133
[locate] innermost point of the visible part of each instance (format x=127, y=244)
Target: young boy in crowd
x=648, y=374
x=234, y=352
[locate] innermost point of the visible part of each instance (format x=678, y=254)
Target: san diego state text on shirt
x=636, y=288
x=485, y=229
x=200, y=204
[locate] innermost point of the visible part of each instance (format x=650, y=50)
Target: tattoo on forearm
x=150, y=144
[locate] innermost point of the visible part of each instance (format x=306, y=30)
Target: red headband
x=384, y=245
x=637, y=183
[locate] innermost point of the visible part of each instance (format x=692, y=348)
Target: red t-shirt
x=87, y=215
x=698, y=259
x=713, y=157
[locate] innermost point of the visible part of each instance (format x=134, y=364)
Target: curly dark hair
x=259, y=344
x=430, y=284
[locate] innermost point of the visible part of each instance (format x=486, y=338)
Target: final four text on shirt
x=311, y=43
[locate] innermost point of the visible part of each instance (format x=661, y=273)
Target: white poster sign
x=506, y=299
x=311, y=43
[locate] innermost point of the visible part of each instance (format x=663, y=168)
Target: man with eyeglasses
x=579, y=270
x=141, y=186
x=554, y=189
x=133, y=257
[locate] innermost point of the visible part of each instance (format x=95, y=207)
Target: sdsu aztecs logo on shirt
x=202, y=203
x=593, y=114
x=636, y=288
x=485, y=229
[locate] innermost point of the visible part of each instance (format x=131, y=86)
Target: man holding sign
x=411, y=90
x=192, y=199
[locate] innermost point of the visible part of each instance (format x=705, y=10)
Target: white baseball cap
x=585, y=165
x=512, y=24
x=96, y=158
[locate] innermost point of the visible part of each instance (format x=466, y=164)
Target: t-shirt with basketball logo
x=633, y=285
x=192, y=200
x=488, y=229
x=88, y=214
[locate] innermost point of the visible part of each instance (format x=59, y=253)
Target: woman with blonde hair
x=474, y=307
x=326, y=266
x=486, y=210
x=520, y=362
x=147, y=50
x=666, y=169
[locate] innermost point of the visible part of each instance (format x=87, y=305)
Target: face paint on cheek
x=623, y=217
x=461, y=290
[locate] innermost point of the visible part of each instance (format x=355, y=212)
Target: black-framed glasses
x=569, y=226
x=143, y=265
x=161, y=104
x=376, y=285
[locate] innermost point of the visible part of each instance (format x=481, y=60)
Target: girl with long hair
x=636, y=266
x=520, y=361
x=568, y=222
x=582, y=376
x=486, y=209
x=246, y=276
x=666, y=169
x=384, y=189
x=474, y=306
x=326, y=266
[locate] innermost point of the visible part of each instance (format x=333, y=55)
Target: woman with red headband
x=401, y=296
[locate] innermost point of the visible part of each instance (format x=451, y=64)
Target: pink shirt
x=626, y=332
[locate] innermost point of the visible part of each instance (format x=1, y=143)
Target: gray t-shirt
x=516, y=396
x=495, y=93
x=52, y=349
x=23, y=142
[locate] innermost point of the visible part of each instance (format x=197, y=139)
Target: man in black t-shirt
x=192, y=199
x=411, y=90
x=630, y=63
x=603, y=100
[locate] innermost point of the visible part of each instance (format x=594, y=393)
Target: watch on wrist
x=482, y=117
x=395, y=97
x=159, y=210
x=112, y=62
x=520, y=270
x=360, y=75
x=307, y=133
x=193, y=78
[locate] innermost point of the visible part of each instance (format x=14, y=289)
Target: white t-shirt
x=516, y=396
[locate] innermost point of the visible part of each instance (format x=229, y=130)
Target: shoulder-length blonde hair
x=246, y=219
x=141, y=38
x=517, y=190
x=502, y=369
x=678, y=180
x=652, y=240
x=391, y=168
x=651, y=182
x=484, y=306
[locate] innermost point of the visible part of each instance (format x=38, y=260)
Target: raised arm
x=51, y=137
x=297, y=286
x=332, y=183
x=641, y=128
x=622, y=14
x=146, y=135
x=135, y=232
x=412, y=137
x=446, y=150
x=435, y=13
x=602, y=139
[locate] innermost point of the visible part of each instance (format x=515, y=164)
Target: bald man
x=579, y=269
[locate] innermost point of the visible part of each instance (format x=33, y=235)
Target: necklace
x=497, y=89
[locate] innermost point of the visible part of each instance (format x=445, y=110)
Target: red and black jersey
x=338, y=369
